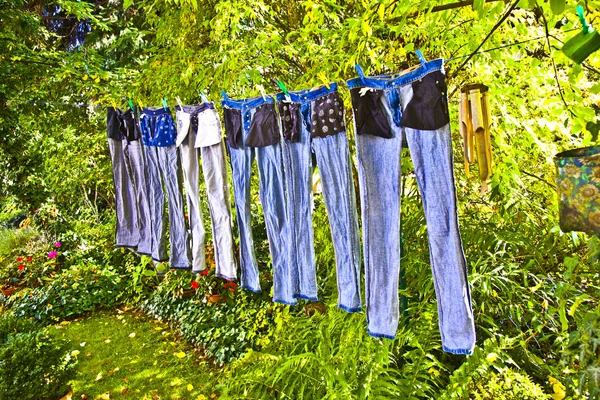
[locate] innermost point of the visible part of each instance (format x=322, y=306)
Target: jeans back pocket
x=290, y=121
x=233, y=127
x=428, y=108
x=327, y=117
x=263, y=129
x=369, y=114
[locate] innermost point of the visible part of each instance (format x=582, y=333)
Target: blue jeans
x=412, y=105
x=333, y=159
x=259, y=129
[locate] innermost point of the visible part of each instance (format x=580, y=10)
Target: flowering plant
x=27, y=267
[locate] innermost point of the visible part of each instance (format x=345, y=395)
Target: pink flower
x=195, y=285
x=57, y=244
x=52, y=254
x=21, y=267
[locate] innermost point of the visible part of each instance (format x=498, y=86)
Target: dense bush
x=71, y=293
x=223, y=330
x=33, y=366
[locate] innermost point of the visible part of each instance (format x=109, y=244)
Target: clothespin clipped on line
x=261, y=89
x=323, y=78
x=203, y=97
x=224, y=95
x=164, y=102
x=580, y=46
x=284, y=90
x=131, y=105
x=179, y=101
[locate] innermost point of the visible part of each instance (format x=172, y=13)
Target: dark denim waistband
x=389, y=82
x=305, y=96
x=154, y=112
x=196, y=108
x=247, y=104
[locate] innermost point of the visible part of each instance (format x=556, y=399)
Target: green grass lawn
x=128, y=355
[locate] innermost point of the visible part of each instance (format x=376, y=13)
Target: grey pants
x=163, y=168
x=136, y=167
x=204, y=139
x=127, y=233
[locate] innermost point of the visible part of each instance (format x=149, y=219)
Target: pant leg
x=189, y=164
x=379, y=179
x=127, y=234
x=137, y=165
x=156, y=202
x=215, y=177
x=241, y=166
x=301, y=251
x=180, y=256
x=431, y=153
x=272, y=197
x=333, y=159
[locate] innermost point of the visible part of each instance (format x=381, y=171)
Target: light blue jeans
x=333, y=159
x=272, y=197
x=379, y=177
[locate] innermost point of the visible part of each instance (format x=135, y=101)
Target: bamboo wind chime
x=475, y=122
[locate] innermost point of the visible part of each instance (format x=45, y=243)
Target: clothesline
x=92, y=105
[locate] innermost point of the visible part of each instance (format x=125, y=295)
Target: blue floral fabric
x=158, y=127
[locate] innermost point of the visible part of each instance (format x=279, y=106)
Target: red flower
x=195, y=285
x=205, y=272
x=225, y=286
x=231, y=290
x=21, y=267
x=232, y=284
x=29, y=259
x=19, y=259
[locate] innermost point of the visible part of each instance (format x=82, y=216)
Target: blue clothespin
x=224, y=95
x=421, y=57
x=164, y=101
x=203, y=96
x=584, y=24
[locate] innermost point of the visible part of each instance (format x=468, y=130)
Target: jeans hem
x=304, y=297
x=128, y=246
x=228, y=278
x=289, y=303
x=183, y=267
x=158, y=260
x=252, y=290
x=381, y=335
x=457, y=351
x=349, y=309
x=141, y=253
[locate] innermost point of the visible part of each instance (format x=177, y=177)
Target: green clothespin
x=164, y=101
x=284, y=90
x=131, y=104
x=584, y=24
x=580, y=46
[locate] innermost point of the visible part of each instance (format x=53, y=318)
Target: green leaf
x=127, y=4
x=149, y=272
x=557, y=6
x=478, y=5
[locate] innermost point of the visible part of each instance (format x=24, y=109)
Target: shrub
x=32, y=364
x=71, y=293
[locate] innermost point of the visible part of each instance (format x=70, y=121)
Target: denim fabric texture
x=163, y=169
x=126, y=231
x=379, y=157
x=199, y=134
x=255, y=119
x=329, y=144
